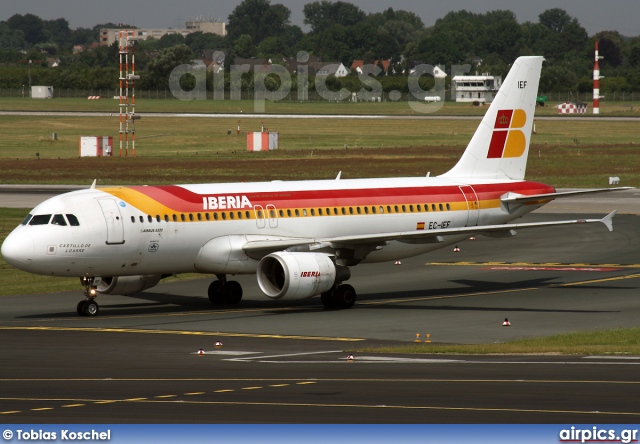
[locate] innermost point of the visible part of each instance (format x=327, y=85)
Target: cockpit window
x=58, y=219
x=73, y=220
x=27, y=219
x=41, y=219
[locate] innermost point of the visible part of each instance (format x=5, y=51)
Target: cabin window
x=440, y=205
x=260, y=216
x=381, y=209
x=313, y=212
x=335, y=211
x=27, y=219
x=448, y=207
x=191, y=217
x=395, y=209
x=247, y=215
x=239, y=214
x=297, y=212
x=149, y=218
x=133, y=219
x=319, y=211
x=433, y=207
x=207, y=216
x=272, y=214
x=182, y=218
x=231, y=215
x=419, y=208
x=411, y=208
x=373, y=210
x=288, y=213
x=350, y=210
x=304, y=212
x=215, y=216
x=358, y=210
x=388, y=208
x=366, y=210
x=158, y=217
x=175, y=218
x=166, y=218
x=58, y=219
x=281, y=213
x=344, y=210
x=426, y=207
x=224, y=216
x=199, y=216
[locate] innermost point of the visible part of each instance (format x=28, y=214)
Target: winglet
x=93, y=185
x=608, y=220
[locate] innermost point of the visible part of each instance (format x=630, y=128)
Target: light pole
x=30, y=61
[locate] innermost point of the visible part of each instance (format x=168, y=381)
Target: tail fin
x=500, y=146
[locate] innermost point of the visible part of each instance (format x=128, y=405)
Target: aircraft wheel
x=344, y=296
x=215, y=292
x=328, y=301
x=80, y=307
x=90, y=308
x=232, y=292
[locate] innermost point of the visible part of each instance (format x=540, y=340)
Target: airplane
x=300, y=238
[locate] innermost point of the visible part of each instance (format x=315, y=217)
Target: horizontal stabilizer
x=519, y=198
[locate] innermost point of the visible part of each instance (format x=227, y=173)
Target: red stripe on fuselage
x=182, y=200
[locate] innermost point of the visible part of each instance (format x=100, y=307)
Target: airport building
x=476, y=88
x=110, y=35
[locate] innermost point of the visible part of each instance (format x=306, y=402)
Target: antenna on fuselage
x=338, y=176
x=93, y=185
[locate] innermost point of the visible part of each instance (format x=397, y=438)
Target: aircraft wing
x=264, y=247
x=514, y=198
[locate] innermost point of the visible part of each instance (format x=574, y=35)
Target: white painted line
x=285, y=356
x=228, y=353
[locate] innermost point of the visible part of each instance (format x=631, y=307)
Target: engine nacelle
x=292, y=276
x=125, y=285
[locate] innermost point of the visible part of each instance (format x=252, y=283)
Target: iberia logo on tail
x=507, y=140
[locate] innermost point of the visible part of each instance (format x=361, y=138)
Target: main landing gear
x=223, y=291
x=88, y=306
x=343, y=296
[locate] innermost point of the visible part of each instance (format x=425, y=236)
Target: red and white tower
x=596, y=82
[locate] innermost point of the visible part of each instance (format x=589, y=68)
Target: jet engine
x=124, y=285
x=292, y=276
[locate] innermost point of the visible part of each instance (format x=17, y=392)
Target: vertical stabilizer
x=500, y=146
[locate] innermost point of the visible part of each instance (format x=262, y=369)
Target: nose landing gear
x=88, y=306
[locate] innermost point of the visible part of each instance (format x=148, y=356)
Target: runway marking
x=454, y=296
x=72, y=405
x=278, y=385
x=166, y=396
x=11, y=412
x=594, y=281
x=191, y=394
x=185, y=333
x=529, y=264
x=411, y=407
x=223, y=391
x=285, y=355
x=251, y=388
x=42, y=409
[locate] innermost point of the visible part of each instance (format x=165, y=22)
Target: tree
x=199, y=42
x=556, y=19
x=160, y=68
x=170, y=40
x=257, y=19
x=321, y=15
x=31, y=25
x=243, y=46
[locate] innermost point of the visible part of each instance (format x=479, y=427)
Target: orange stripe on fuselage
x=154, y=200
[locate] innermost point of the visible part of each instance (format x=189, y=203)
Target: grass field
x=191, y=150
x=617, y=108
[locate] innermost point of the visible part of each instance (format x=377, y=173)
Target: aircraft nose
x=18, y=250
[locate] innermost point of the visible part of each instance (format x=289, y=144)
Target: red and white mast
x=596, y=82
